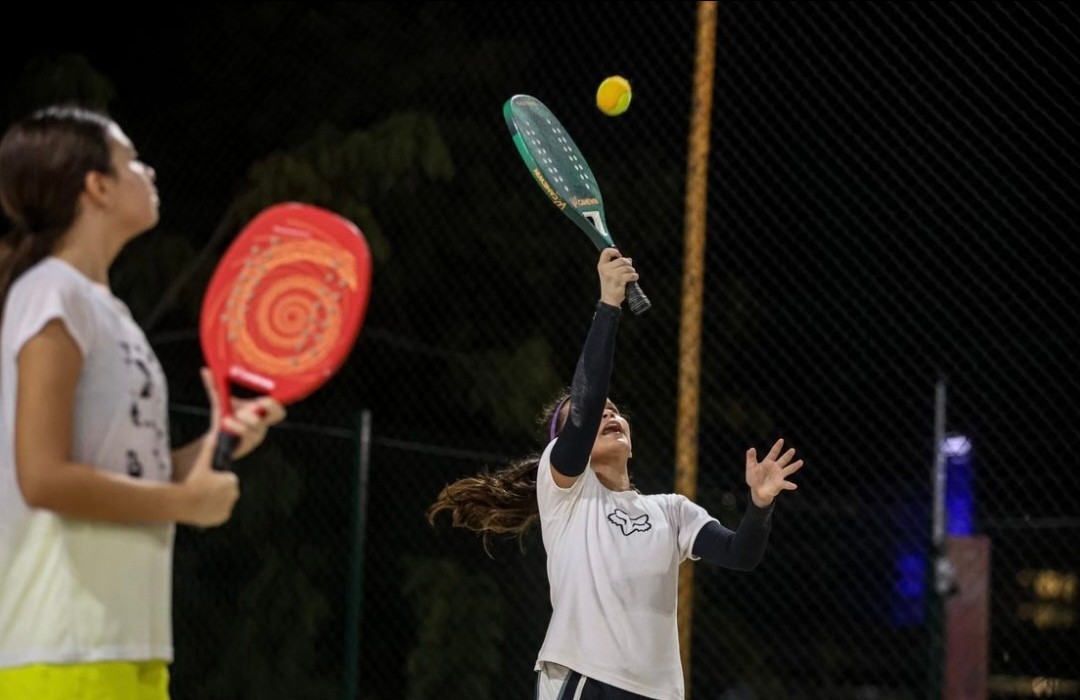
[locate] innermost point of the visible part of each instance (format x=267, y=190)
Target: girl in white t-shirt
x=90, y=488
x=613, y=554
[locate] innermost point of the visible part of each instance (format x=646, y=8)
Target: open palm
x=769, y=477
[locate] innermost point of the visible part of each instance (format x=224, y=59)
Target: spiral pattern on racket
x=300, y=289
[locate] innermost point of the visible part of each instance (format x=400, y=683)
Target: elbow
x=34, y=495
x=36, y=491
x=748, y=563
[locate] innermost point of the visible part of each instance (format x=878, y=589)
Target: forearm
x=183, y=458
x=588, y=393
x=742, y=549
x=79, y=491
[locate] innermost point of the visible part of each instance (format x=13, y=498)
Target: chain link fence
x=892, y=204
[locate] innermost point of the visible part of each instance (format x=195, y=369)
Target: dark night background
x=892, y=201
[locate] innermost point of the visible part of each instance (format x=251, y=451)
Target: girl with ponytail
x=613, y=553
x=90, y=488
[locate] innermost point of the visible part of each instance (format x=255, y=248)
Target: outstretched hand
x=615, y=273
x=768, y=477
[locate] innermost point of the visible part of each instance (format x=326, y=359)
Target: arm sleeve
x=741, y=549
x=588, y=393
x=31, y=306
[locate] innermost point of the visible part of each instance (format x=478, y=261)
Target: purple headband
x=555, y=417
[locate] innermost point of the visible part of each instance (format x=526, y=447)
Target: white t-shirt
x=72, y=590
x=613, y=568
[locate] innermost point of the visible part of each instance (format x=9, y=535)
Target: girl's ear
x=95, y=185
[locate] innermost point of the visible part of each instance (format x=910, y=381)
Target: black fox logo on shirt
x=630, y=525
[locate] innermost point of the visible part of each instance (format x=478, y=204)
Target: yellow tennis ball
x=613, y=95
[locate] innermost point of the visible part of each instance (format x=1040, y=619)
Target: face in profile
x=134, y=196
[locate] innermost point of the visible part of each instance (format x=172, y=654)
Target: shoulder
x=49, y=290
x=679, y=507
x=550, y=493
x=669, y=499
x=545, y=480
x=49, y=276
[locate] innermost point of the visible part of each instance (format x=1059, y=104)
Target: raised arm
x=744, y=548
x=592, y=376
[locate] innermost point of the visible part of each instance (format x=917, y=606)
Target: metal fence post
x=355, y=594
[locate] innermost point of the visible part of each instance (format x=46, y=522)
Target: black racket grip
x=639, y=303
x=226, y=445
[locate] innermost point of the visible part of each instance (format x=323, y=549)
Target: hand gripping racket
x=561, y=172
x=284, y=307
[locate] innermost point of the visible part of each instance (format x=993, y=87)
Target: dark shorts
x=577, y=687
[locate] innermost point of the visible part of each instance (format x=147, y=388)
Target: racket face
x=286, y=302
x=557, y=165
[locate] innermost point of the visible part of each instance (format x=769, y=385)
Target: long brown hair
x=44, y=160
x=501, y=502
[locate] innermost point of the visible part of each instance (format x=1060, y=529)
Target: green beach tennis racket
x=563, y=174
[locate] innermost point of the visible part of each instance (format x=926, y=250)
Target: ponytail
x=502, y=502
x=44, y=160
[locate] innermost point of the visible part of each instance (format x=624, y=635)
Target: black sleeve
x=588, y=393
x=741, y=549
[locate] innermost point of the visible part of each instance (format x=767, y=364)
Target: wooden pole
x=697, y=169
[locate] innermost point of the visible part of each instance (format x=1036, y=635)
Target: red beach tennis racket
x=284, y=307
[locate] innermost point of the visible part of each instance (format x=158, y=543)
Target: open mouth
x=612, y=429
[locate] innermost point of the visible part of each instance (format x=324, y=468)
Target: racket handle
x=639, y=303
x=226, y=445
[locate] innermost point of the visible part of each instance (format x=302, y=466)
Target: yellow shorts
x=110, y=680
